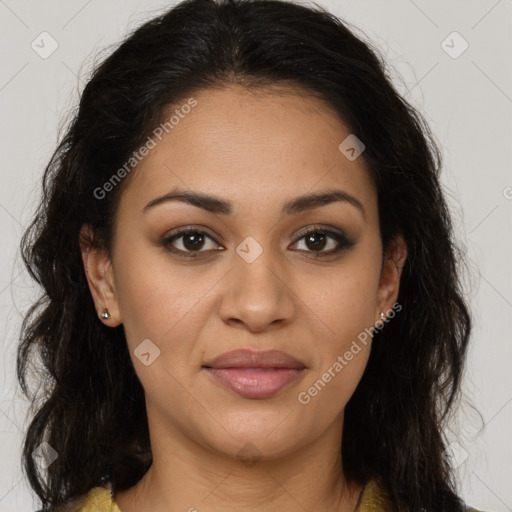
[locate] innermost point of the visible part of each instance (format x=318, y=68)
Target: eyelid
x=192, y=228
x=324, y=228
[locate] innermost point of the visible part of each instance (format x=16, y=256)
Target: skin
x=257, y=151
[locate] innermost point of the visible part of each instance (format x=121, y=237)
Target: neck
x=187, y=476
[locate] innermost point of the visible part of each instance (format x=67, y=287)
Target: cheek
x=342, y=348
x=343, y=301
x=340, y=313
x=327, y=392
x=148, y=293
x=161, y=300
x=165, y=305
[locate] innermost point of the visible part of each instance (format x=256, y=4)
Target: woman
x=251, y=291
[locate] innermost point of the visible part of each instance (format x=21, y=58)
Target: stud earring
x=105, y=315
x=382, y=315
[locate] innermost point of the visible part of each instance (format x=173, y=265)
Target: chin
x=267, y=439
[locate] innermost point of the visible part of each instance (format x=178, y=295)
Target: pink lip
x=255, y=382
x=255, y=374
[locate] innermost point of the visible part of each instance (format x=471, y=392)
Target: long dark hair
x=89, y=404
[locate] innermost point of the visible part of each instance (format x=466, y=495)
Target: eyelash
x=343, y=241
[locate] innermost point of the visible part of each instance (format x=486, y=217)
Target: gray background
x=467, y=101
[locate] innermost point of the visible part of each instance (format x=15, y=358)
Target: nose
x=257, y=295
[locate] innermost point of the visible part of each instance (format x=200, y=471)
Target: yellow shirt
x=373, y=499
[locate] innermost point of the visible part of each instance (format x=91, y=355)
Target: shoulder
x=98, y=499
x=375, y=499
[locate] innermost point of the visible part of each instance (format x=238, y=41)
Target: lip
x=245, y=358
x=255, y=375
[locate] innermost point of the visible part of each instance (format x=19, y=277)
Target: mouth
x=255, y=375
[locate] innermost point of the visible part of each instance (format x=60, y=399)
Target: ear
x=389, y=285
x=100, y=277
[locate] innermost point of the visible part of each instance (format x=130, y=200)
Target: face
x=248, y=275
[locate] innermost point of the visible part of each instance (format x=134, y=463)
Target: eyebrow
x=297, y=205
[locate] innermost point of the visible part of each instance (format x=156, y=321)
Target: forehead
x=269, y=145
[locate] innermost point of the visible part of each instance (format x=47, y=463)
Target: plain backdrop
x=452, y=60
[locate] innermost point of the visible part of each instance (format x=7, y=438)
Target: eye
x=317, y=239
x=190, y=241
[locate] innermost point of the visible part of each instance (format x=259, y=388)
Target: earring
x=105, y=315
x=382, y=315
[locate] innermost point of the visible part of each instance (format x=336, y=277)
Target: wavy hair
x=89, y=404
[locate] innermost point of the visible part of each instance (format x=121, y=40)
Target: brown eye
x=316, y=241
x=187, y=242
x=324, y=242
x=193, y=241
